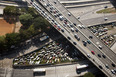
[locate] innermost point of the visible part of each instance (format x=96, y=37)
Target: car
x=75, y=24
x=64, y=25
x=113, y=64
x=76, y=30
x=69, y=38
x=62, y=30
x=80, y=26
x=93, y=52
x=54, y=2
x=88, y=41
x=103, y=56
x=100, y=67
x=90, y=37
x=83, y=26
x=61, y=18
x=75, y=36
x=71, y=25
x=74, y=43
x=113, y=72
x=72, y=29
x=99, y=55
x=107, y=66
x=69, y=14
x=78, y=38
x=84, y=43
x=88, y=55
x=78, y=17
x=100, y=47
x=68, y=25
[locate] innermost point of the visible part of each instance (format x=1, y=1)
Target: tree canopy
x=11, y=10
x=26, y=19
x=40, y=22
x=12, y=39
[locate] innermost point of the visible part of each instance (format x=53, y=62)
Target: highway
x=83, y=34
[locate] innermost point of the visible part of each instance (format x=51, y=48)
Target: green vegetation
x=32, y=24
x=11, y=10
x=26, y=19
x=89, y=74
x=107, y=10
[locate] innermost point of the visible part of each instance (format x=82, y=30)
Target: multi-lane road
x=77, y=34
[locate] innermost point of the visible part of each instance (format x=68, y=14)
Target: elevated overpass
x=73, y=28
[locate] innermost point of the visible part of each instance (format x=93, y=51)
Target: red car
x=92, y=52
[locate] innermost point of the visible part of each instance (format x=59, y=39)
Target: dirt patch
x=6, y=27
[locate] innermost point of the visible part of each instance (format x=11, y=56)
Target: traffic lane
x=64, y=13
x=105, y=48
x=93, y=48
x=106, y=61
x=83, y=30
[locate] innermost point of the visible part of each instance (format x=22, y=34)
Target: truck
x=43, y=38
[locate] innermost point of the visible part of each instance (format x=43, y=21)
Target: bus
x=81, y=68
x=39, y=72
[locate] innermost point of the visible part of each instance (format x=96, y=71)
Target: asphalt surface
x=83, y=34
x=65, y=71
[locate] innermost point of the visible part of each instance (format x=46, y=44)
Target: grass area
x=108, y=10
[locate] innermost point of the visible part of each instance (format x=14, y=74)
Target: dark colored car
x=69, y=38
x=62, y=30
x=90, y=37
x=99, y=55
x=100, y=67
x=74, y=43
x=76, y=30
x=74, y=24
x=113, y=65
x=103, y=56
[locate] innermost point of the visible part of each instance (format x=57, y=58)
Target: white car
x=100, y=46
x=80, y=26
x=113, y=71
x=72, y=29
x=88, y=55
x=69, y=14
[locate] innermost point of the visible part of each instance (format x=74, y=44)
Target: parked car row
x=51, y=53
x=101, y=32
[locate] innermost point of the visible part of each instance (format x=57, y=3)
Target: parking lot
x=105, y=33
x=55, y=52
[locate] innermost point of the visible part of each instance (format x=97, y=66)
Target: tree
x=2, y=43
x=12, y=39
x=11, y=10
x=40, y=23
x=89, y=74
x=33, y=12
x=26, y=19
